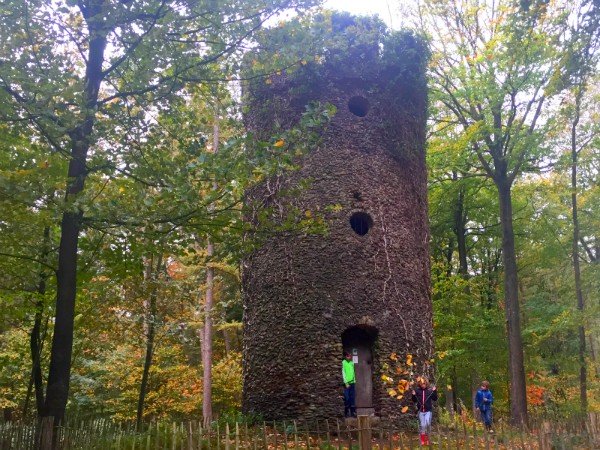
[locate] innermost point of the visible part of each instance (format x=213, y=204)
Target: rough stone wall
x=301, y=292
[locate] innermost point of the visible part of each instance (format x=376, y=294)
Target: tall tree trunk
x=593, y=356
x=518, y=395
x=576, y=269
x=207, y=341
x=208, y=325
x=36, y=345
x=57, y=390
x=152, y=277
x=227, y=341
x=460, y=231
x=36, y=382
x=454, y=387
x=29, y=390
x=35, y=337
x=449, y=253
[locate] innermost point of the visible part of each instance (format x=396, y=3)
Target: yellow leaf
x=394, y=357
x=279, y=143
x=387, y=379
x=449, y=387
x=392, y=393
x=404, y=409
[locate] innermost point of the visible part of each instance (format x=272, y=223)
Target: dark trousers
x=349, y=401
x=486, y=417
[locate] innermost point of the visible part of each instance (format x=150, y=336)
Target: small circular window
x=361, y=223
x=359, y=106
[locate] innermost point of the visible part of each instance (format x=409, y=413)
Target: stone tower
x=364, y=285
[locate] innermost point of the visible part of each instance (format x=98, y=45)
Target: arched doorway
x=359, y=341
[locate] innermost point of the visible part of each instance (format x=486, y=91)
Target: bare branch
x=28, y=258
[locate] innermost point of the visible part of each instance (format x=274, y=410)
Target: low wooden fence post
x=364, y=432
x=349, y=436
x=339, y=434
x=218, y=437
x=226, y=435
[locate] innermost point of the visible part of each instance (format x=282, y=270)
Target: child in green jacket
x=349, y=378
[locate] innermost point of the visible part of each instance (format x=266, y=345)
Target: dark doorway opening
x=359, y=106
x=361, y=223
x=359, y=341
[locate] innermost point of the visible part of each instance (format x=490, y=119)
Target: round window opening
x=359, y=106
x=361, y=223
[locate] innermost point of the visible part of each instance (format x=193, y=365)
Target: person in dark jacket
x=483, y=402
x=423, y=397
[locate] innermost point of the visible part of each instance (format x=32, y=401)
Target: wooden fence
x=327, y=435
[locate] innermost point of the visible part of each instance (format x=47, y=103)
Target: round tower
x=363, y=286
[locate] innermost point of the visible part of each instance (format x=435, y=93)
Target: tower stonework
x=364, y=285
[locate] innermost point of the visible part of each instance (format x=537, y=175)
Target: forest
x=124, y=163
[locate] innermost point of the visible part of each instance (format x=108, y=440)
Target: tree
x=27, y=263
x=496, y=68
x=207, y=347
x=152, y=273
x=583, y=58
